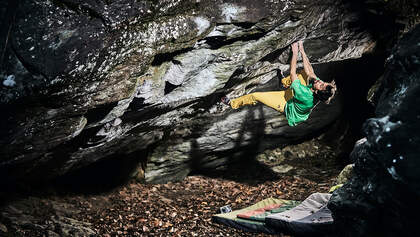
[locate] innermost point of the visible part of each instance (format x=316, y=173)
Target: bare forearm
x=293, y=63
x=307, y=65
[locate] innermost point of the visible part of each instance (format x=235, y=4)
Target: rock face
x=381, y=199
x=39, y=218
x=84, y=81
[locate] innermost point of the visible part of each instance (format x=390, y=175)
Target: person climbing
x=304, y=91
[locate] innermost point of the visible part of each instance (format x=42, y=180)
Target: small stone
x=117, y=122
x=51, y=233
x=282, y=169
x=3, y=228
x=345, y=174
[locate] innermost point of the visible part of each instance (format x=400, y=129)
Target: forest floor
x=177, y=208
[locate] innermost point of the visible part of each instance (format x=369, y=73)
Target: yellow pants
x=275, y=99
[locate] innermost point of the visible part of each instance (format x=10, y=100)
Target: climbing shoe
x=225, y=100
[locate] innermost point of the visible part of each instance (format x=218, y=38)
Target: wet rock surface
x=85, y=81
x=381, y=198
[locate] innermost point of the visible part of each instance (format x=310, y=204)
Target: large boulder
x=382, y=197
x=84, y=81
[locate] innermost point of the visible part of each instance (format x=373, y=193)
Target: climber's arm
x=306, y=64
x=293, y=62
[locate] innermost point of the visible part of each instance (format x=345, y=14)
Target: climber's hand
x=301, y=49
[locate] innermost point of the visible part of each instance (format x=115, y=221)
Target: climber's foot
x=225, y=100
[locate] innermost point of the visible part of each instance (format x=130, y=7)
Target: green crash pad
x=252, y=218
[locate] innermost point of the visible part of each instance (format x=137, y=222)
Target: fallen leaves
x=187, y=211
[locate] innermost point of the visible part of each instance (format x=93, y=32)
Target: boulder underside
x=91, y=80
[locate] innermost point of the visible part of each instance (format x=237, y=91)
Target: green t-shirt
x=299, y=107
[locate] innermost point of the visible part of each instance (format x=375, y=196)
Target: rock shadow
x=239, y=163
x=102, y=176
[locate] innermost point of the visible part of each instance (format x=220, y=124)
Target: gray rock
x=282, y=169
x=35, y=216
x=95, y=80
x=3, y=228
x=70, y=227
x=52, y=234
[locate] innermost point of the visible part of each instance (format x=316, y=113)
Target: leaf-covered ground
x=180, y=208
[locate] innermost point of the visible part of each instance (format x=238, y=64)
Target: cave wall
x=85, y=81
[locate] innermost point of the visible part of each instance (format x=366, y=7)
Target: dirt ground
x=180, y=208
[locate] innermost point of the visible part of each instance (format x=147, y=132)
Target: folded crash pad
x=310, y=218
x=252, y=218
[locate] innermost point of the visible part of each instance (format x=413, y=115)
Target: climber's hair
x=326, y=95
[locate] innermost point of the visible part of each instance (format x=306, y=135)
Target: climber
x=299, y=99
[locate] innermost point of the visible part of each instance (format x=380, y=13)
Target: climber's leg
x=275, y=99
